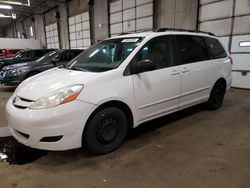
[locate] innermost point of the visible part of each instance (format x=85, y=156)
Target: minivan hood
x=42, y=84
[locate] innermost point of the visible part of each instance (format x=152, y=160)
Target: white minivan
x=116, y=85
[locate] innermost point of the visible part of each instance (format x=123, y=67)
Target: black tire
x=216, y=96
x=105, y=131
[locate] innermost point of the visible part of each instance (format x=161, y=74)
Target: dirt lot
x=191, y=148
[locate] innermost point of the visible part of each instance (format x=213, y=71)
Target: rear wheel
x=216, y=96
x=105, y=131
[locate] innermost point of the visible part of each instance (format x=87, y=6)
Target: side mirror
x=143, y=66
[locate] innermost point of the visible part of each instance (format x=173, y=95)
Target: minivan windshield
x=104, y=56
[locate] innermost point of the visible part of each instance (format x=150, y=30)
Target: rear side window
x=215, y=48
x=192, y=48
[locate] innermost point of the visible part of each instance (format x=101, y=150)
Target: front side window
x=159, y=50
x=215, y=48
x=105, y=55
x=192, y=48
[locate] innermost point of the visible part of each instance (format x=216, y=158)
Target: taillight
x=231, y=60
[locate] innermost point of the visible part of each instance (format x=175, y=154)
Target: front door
x=157, y=92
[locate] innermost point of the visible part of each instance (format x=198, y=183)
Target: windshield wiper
x=78, y=68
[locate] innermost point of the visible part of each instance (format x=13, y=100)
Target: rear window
x=215, y=48
x=192, y=48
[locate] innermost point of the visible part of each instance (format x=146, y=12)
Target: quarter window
x=192, y=48
x=159, y=50
x=215, y=48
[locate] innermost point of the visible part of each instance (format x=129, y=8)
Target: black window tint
x=215, y=48
x=159, y=50
x=192, y=48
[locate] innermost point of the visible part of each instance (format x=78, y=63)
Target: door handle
x=175, y=72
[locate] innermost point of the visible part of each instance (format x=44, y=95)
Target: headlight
x=57, y=97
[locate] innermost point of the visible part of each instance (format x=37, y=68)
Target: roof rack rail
x=140, y=31
x=187, y=30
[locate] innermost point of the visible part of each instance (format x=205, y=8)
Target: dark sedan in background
x=24, y=56
x=13, y=75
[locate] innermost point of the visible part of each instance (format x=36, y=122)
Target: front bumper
x=67, y=120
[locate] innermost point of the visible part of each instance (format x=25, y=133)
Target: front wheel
x=216, y=96
x=105, y=131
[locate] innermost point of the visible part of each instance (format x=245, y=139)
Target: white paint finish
x=241, y=61
x=116, y=28
x=218, y=27
x=149, y=95
x=241, y=25
x=141, y=2
x=129, y=26
x=144, y=10
x=144, y=23
x=241, y=81
x=19, y=43
x=242, y=7
x=149, y=89
x=4, y=132
x=116, y=6
x=128, y=4
x=236, y=43
x=225, y=42
x=116, y=17
x=216, y=10
x=129, y=14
